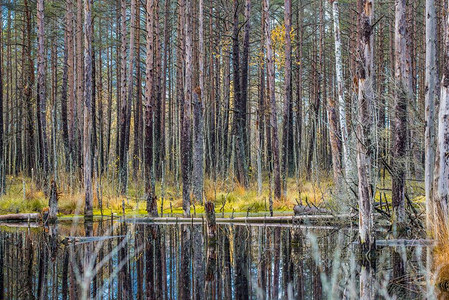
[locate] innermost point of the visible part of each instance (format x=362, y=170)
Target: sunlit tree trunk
x=340, y=88
x=87, y=151
x=441, y=217
x=272, y=101
x=364, y=126
x=431, y=94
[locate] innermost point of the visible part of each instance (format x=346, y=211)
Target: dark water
x=176, y=261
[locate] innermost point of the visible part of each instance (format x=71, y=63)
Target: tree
x=87, y=150
x=239, y=121
x=287, y=130
x=148, y=110
x=198, y=111
x=340, y=88
x=441, y=217
x=431, y=93
x=272, y=101
x=402, y=97
x=365, y=124
x=42, y=115
x=2, y=163
x=186, y=135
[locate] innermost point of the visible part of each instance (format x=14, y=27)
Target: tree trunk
x=138, y=106
x=28, y=93
x=431, y=93
x=403, y=96
x=87, y=151
x=239, y=123
x=364, y=126
x=335, y=140
x=2, y=163
x=286, y=131
x=149, y=187
x=79, y=81
x=442, y=164
x=71, y=110
x=198, y=150
x=124, y=107
x=186, y=136
x=340, y=89
x=64, y=93
x=271, y=88
x=199, y=98
x=42, y=102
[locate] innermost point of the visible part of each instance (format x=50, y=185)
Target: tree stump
x=52, y=204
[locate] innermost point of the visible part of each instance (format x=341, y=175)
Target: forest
x=283, y=149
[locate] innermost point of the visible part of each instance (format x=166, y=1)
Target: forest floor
x=22, y=195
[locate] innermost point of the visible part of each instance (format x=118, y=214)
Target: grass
x=229, y=197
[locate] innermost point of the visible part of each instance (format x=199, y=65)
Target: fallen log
x=303, y=219
x=31, y=217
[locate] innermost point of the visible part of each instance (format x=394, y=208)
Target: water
x=116, y=260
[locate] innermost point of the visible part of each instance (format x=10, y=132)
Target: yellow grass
x=228, y=196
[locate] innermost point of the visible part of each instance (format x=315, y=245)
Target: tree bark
x=239, y=122
x=346, y=164
x=431, y=92
x=403, y=96
x=2, y=163
x=364, y=126
x=441, y=218
x=271, y=88
x=286, y=131
x=199, y=98
x=149, y=187
x=42, y=102
x=186, y=136
x=87, y=150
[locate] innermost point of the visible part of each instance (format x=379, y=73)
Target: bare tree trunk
x=42, y=93
x=137, y=152
x=149, y=188
x=431, y=93
x=286, y=131
x=88, y=194
x=442, y=163
x=2, y=163
x=271, y=88
x=70, y=82
x=239, y=122
x=402, y=98
x=186, y=136
x=28, y=92
x=340, y=89
x=364, y=127
x=199, y=98
x=79, y=81
x=244, y=89
x=335, y=140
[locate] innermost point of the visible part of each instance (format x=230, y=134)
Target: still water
x=130, y=260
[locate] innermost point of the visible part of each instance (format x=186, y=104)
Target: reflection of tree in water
x=105, y=260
